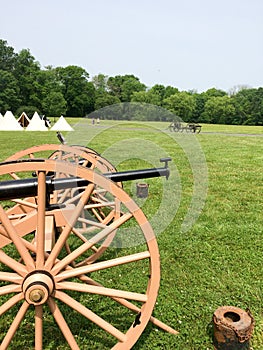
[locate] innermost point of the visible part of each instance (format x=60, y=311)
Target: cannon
x=29, y=187
x=190, y=127
x=59, y=216
x=193, y=127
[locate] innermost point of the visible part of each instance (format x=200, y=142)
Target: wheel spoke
x=93, y=224
x=13, y=264
x=65, y=194
x=72, y=198
x=10, y=288
x=14, y=326
x=25, y=203
x=100, y=205
x=39, y=327
x=109, y=292
x=10, y=277
x=79, y=235
x=98, y=214
x=22, y=227
x=62, y=324
x=11, y=302
x=87, y=245
x=40, y=233
x=83, y=239
x=67, y=229
x=131, y=306
x=90, y=315
x=28, y=245
x=16, y=240
x=101, y=265
x=14, y=176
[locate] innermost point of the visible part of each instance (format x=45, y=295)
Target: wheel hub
x=37, y=287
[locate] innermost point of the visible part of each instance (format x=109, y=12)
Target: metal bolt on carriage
x=59, y=214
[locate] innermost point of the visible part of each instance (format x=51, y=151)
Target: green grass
x=217, y=262
x=236, y=129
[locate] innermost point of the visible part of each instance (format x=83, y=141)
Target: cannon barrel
x=138, y=174
x=21, y=188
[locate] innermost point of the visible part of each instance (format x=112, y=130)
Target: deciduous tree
x=249, y=106
x=9, y=92
x=182, y=104
x=54, y=105
x=7, y=56
x=105, y=99
x=219, y=110
x=78, y=92
x=26, y=70
x=123, y=86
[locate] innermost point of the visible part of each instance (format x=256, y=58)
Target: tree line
x=70, y=91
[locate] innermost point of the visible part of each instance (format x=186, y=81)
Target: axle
x=13, y=189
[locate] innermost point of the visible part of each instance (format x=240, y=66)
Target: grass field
x=216, y=260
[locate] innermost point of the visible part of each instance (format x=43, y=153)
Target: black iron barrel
x=18, y=188
x=13, y=189
x=138, y=174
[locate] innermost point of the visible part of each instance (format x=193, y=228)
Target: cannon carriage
x=58, y=218
x=189, y=127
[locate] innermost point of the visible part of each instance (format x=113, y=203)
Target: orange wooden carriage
x=59, y=213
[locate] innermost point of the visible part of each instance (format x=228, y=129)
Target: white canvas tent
x=23, y=120
x=36, y=124
x=9, y=122
x=61, y=125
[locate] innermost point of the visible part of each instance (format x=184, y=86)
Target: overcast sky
x=189, y=44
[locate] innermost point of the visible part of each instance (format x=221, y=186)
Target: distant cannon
x=190, y=127
x=59, y=214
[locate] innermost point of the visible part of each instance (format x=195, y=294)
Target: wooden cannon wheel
x=74, y=155
x=36, y=280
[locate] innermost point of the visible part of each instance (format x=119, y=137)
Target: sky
x=188, y=44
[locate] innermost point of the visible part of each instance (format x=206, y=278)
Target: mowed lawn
x=211, y=250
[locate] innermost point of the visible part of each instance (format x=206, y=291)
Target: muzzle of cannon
x=60, y=218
